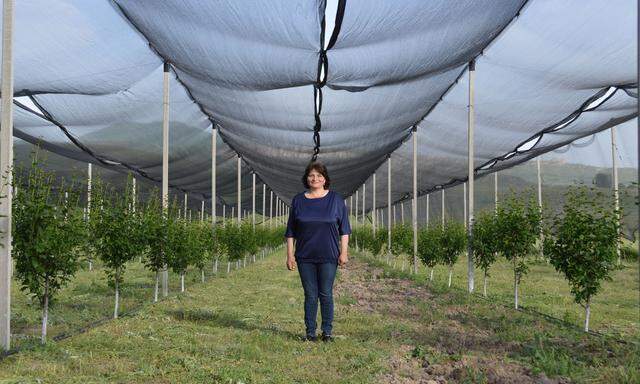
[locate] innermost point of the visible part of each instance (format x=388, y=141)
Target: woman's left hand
x=342, y=259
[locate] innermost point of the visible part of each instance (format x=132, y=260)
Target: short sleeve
x=291, y=222
x=344, y=228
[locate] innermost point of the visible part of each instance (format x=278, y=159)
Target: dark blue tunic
x=317, y=225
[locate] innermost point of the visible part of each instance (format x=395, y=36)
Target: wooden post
x=6, y=164
x=471, y=170
x=414, y=202
x=165, y=165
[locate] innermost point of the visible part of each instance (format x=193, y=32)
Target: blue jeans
x=317, y=281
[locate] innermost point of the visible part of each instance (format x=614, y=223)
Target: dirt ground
x=462, y=353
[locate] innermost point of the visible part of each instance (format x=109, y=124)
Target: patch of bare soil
x=446, y=337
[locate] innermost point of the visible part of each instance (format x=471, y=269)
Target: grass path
x=245, y=328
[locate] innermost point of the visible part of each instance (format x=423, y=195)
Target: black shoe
x=327, y=338
x=310, y=338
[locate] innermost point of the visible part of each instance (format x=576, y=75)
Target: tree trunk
x=431, y=274
x=155, y=287
x=484, y=285
x=253, y=258
x=90, y=265
x=181, y=281
x=450, y=274
x=202, y=274
x=228, y=267
x=587, y=312
x=117, y=301
x=45, y=312
x=244, y=262
x=403, y=264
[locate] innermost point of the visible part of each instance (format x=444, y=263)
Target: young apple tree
x=582, y=244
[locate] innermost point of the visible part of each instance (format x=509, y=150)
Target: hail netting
x=529, y=80
x=252, y=68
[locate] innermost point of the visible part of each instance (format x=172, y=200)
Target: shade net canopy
x=277, y=82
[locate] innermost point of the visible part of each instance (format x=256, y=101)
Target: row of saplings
x=53, y=235
x=580, y=241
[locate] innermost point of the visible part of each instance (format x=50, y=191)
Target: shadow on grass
x=228, y=320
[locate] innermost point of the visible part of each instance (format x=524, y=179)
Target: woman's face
x=315, y=179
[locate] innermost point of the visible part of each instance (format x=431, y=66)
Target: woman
x=319, y=223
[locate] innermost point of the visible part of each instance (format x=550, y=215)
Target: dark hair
x=321, y=169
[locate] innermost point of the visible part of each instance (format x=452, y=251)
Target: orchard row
x=581, y=242
x=55, y=233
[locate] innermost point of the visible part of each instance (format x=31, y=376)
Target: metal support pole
x=442, y=209
x=165, y=165
x=495, y=190
x=253, y=200
x=270, y=208
x=402, y=213
x=6, y=164
x=202, y=211
x=185, y=205
x=427, y=211
x=89, y=185
x=374, y=218
x=471, y=170
x=394, y=215
x=464, y=204
x=539, y=182
x=214, y=150
x=414, y=202
x=364, y=215
x=133, y=194
x=389, y=204
x=239, y=203
x=264, y=204
x=616, y=193
x=224, y=214
x=351, y=206
x=356, y=218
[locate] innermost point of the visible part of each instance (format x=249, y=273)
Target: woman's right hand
x=291, y=263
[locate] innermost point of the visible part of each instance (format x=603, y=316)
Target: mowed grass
x=245, y=328
x=615, y=311
x=86, y=300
